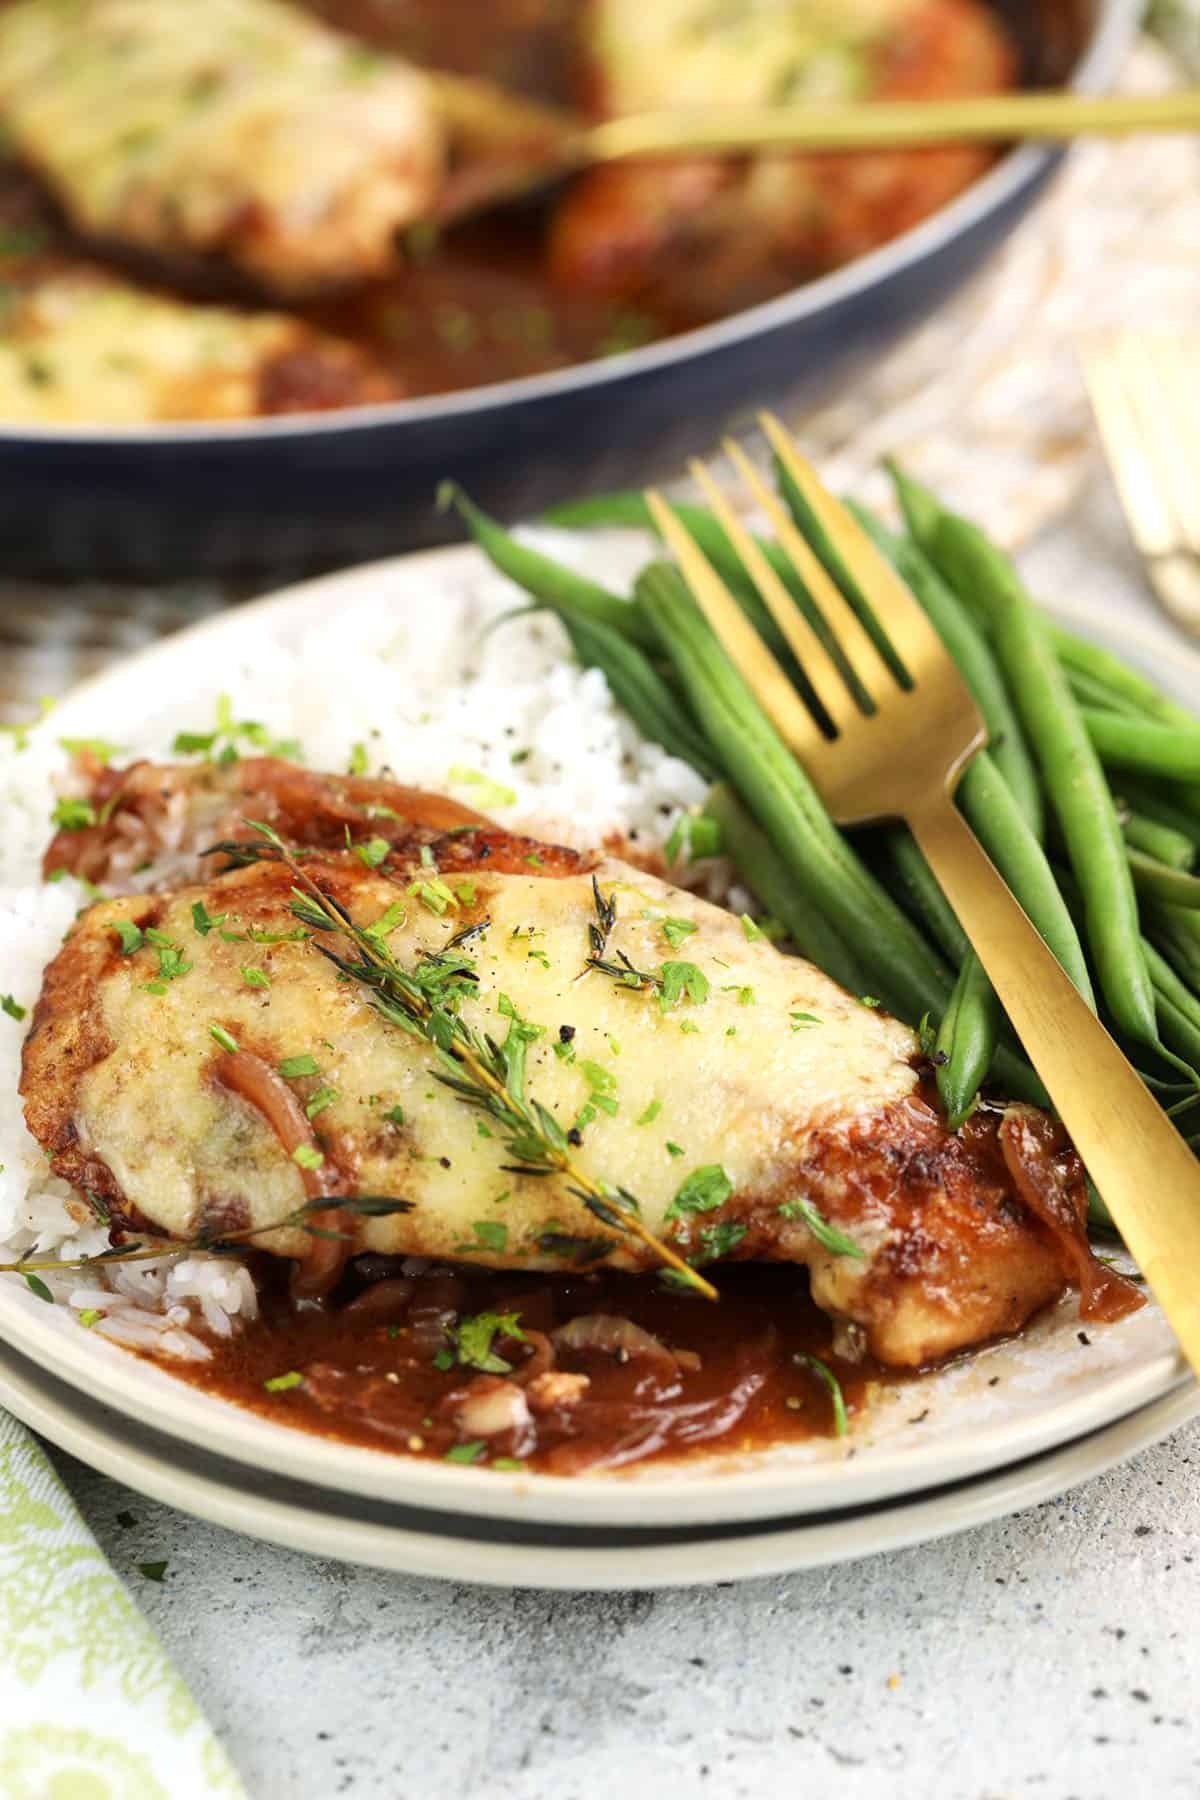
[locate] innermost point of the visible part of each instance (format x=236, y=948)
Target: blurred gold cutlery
x=560, y=144
x=904, y=761
x=1145, y=392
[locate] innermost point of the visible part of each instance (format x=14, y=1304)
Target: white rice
x=410, y=671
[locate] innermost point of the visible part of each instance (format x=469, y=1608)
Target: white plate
x=455, y=1548
x=1012, y=1402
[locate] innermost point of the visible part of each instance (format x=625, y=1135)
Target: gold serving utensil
x=903, y=761
x=1145, y=392
x=564, y=145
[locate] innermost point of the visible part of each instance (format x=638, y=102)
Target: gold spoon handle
x=1149, y=1178
x=885, y=124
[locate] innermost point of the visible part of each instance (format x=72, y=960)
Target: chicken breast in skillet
x=239, y=129
x=708, y=234
x=201, y=1066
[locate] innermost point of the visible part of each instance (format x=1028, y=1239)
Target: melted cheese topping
x=775, y=1051
x=80, y=347
x=232, y=126
x=685, y=53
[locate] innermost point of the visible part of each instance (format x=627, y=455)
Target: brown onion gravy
x=369, y=1376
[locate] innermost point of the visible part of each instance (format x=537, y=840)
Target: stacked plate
x=1010, y=1426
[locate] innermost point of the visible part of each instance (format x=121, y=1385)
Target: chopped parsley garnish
x=466, y=1453
x=37, y=1286
x=719, y=1239
x=509, y=1464
x=490, y=1234
x=395, y=1116
x=202, y=919
x=841, y=1423
x=255, y=978
x=680, y=980
x=226, y=1040
x=674, y=1149
x=475, y=1335
x=750, y=930
x=372, y=853
x=648, y=1114
x=324, y=1096
x=153, y=1571
x=702, y=1191
x=675, y=930
x=801, y=1019
x=12, y=1008
x=358, y=759
x=434, y=895
x=870, y=1001
x=292, y=1066
x=833, y=1240
x=279, y=1384
x=171, y=961
x=489, y=793
x=100, y=748
x=221, y=744
x=90, y=1316
x=697, y=835
x=71, y=814
x=308, y=1156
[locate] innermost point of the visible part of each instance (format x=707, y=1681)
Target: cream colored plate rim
x=973, y=1426
x=299, y=1525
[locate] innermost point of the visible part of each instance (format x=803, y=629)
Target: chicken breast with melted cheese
x=199, y=1063
x=707, y=234
x=242, y=129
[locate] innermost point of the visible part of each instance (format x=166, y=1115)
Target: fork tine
x=738, y=638
x=1150, y=516
x=860, y=655
x=827, y=684
x=909, y=631
x=1170, y=393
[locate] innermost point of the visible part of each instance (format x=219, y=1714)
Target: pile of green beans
x=1088, y=763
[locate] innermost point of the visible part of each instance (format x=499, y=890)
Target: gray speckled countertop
x=1055, y=1654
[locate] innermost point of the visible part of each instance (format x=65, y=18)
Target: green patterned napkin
x=90, y=1707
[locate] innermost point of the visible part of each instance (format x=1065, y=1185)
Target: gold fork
x=904, y=761
x=1145, y=390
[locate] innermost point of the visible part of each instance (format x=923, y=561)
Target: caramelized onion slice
x=254, y=1080
x=1027, y=1139
x=614, y=1335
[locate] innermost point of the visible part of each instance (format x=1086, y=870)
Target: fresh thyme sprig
x=217, y=1243
x=485, y=1075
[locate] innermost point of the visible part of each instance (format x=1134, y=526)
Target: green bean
x=1162, y=842
x=822, y=547
x=921, y=507
x=1071, y=770
x=1159, y=804
x=1107, y=671
x=976, y=664
x=921, y=895
x=1177, y=1030
x=908, y=977
x=1169, y=984
x=541, y=576
x=1090, y=692
x=629, y=508
x=1177, y=935
x=967, y=1039
x=766, y=872
x=1172, y=885
x=998, y=822
x=1171, y=752
x=637, y=686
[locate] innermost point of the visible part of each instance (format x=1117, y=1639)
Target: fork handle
x=1116, y=1124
